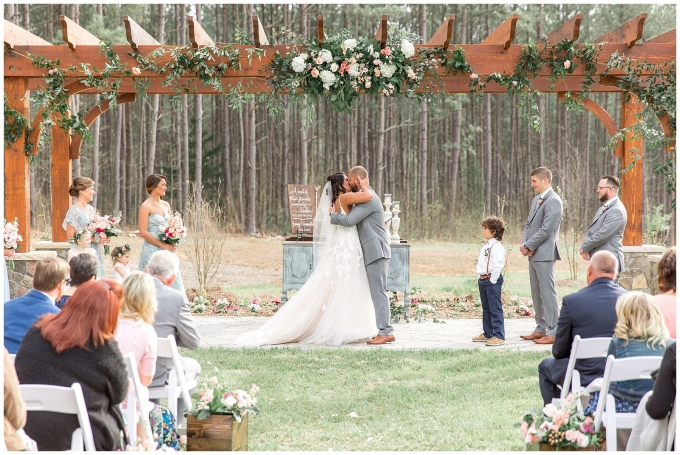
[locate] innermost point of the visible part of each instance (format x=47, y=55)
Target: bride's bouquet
x=104, y=227
x=174, y=231
x=11, y=236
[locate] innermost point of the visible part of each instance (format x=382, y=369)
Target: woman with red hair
x=77, y=345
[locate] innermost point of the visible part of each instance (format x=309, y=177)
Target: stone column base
x=640, y=268
x=61, y=248
x=20, y=270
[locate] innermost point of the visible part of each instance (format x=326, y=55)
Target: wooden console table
x=298, y=265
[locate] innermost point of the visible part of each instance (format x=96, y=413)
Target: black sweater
x=100, y=372
x=660, y=403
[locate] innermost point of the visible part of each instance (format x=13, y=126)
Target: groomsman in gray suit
x=539, y=244
x=369, y=219
x=605, y=233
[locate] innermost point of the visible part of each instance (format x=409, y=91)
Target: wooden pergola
x=495, y=54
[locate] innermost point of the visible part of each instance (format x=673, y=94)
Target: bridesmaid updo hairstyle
x=337, y=185
x=153, y=181
x=79, y=184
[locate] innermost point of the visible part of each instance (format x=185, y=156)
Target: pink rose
x=524, y=428
x=582, y=440
x=376, y=62
x=567, y=64
x=136, y=71
x=377, y=72
x=214, y=380
x=51, y=72
x=554, y=428
x=318, y=61
x=473, y=76
x=514, y=83
x=571, y=435
x=386, y=51
x=315, y=72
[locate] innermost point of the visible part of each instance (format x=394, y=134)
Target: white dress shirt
x=54, y=302
x=609, y=203
x=496, y=262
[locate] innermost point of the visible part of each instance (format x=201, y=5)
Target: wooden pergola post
x=18, y=187
x=632, y=181
x=61, y=181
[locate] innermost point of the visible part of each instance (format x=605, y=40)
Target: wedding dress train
x=334, y=306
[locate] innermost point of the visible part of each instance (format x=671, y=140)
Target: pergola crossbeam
x=381, y=34
x=197, y=35
x=570, y=30
x=628, y=33
x=668, y=37
x=259, y=36
x=442, y=37
x=74, y=35
x=504, y=34
x=136, y=35
x=17, y=36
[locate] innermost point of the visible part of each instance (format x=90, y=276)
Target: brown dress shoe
x=545, y=340
x=381, y=339
x=533, y=336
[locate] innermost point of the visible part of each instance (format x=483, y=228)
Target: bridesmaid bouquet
x=11, y=236
x=103, y=227
x=174, y=231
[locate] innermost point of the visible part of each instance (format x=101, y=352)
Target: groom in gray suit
x=368, y=217
x=605, y=233
x=539, y=244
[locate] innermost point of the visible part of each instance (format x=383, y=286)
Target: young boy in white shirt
x=489, y=267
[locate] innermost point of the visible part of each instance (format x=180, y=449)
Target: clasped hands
x=584, y=255
x=525, y=251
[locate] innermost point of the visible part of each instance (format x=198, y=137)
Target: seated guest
x=590, y=313
x=639, y=331
x=650, y=431
x=14, y=408
x=77, y=345
x=668, y=300
x=134, y=332
x=84, y=268
x=22, y=312
x=173, y=316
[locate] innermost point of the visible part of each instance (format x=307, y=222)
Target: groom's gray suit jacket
x=368, y=218
x=542, y=228
x=606, y=231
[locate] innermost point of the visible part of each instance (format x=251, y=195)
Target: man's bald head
x=603, y=264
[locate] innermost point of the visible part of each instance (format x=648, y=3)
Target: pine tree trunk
x=95, y=157
x=422, y=142
x=155, y=102
x=116, y=166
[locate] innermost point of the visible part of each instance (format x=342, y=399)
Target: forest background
x=449, y=163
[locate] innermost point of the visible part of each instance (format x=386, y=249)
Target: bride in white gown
x=334, y=306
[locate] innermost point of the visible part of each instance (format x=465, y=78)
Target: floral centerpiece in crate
x=560, y=425
x=219, y=418
x=104, y=227
x=174, y=231
x=11, y=236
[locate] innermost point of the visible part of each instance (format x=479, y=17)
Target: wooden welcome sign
x=302, y=205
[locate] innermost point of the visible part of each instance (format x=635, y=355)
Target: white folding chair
x=672, y=427
x=177, y=386
x=131, y=414
x=582, y=348
x=627, y=369
x=64, y=400
x=12, y=357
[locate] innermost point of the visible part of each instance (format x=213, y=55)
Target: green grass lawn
x=404, y=400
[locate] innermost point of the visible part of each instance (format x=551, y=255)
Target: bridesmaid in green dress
x=80, y=213
x=153, y=215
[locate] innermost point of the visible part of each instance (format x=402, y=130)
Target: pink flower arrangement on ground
x=560, y=424
x=215, y=399
x=104, y=227
x=11, y=236
x=174, y=230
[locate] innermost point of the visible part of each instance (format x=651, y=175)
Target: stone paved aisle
x=220, y=331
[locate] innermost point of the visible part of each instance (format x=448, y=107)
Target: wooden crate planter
x=217, y=432
x=549, y=448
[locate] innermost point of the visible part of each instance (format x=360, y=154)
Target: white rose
x=334, y=67
x=299, y=64
x=326, y=55
x=549, y=409
x=327, y=78
x=368, y=84
x=349, y=43
x=376, y=54
x=388, y=70
x=407, y=48
x=303, y=56
x=353, y=70
x=229, y=401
